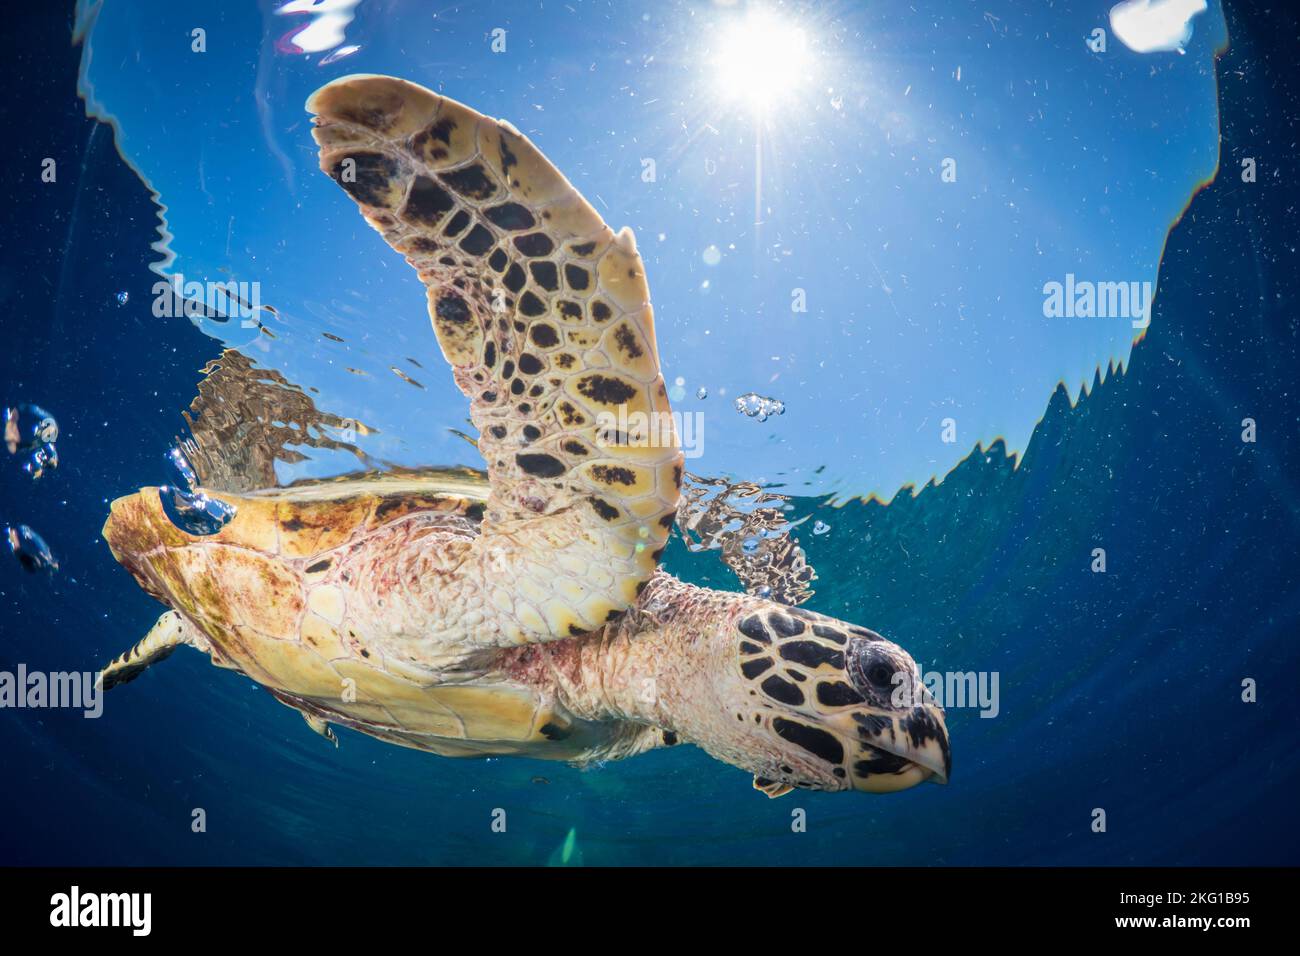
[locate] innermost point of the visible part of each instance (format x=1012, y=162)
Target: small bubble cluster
x=756, y=406
x=30, y=433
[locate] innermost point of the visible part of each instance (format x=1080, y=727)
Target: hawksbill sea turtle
x=525, y=614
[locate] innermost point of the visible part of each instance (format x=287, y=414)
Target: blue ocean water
x=1119, y=691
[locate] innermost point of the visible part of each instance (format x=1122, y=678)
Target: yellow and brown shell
x=247, y=595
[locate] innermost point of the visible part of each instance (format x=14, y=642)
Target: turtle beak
x=898, y=751
x=922, y=738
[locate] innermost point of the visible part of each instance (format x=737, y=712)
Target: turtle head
x=832, y=706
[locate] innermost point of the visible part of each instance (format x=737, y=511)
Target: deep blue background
x=1119, y=691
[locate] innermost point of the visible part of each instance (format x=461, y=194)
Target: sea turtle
x=523, y=614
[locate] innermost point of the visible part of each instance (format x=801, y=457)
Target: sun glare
x=761, y=61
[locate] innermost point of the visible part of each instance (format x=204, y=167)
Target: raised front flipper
x=544, y=314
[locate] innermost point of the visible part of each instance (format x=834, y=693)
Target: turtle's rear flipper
x=163, y=638
x=321, y=726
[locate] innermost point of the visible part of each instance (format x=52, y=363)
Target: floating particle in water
x=821, y=527
x=701, y=393
x=180, y=472
x=676, y=393
x=757, y=406
x=30, y=549
x=122, y=298
x=541, y=780
x=404, y=377
x=29, y=426
x=338, y=54
x=195, y=514
x=712, y=255
x=40, y=460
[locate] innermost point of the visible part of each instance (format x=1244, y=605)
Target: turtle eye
x=874, y=671
x=880, y=676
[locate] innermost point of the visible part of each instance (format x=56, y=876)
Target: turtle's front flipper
x=163, y=638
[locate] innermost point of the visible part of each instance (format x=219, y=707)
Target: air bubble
x=821, y=527
x=180, y=472
x=757, y=406
x=122, y=298
x=44, y=458
x=29, y=426
x=31, y=550
x=195, y=514
x=701, y=393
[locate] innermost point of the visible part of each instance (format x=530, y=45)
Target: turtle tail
x=163, y=638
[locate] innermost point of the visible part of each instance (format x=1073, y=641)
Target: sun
x=761, y=61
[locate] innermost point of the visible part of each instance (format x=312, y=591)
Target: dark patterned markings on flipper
x=531, y=306
x=514, y=279
x=812, y=739
x=477, y=241
x=471, y=181
x=452, y=308
x=626, y=340
x=540, y=465
x=510, y=216
x=606, y=390
x=544, y=336
x=368, y=179
x=427, y=203
x=606, y=511
x=577, y=277
x=535, y=245
x=613, y=474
